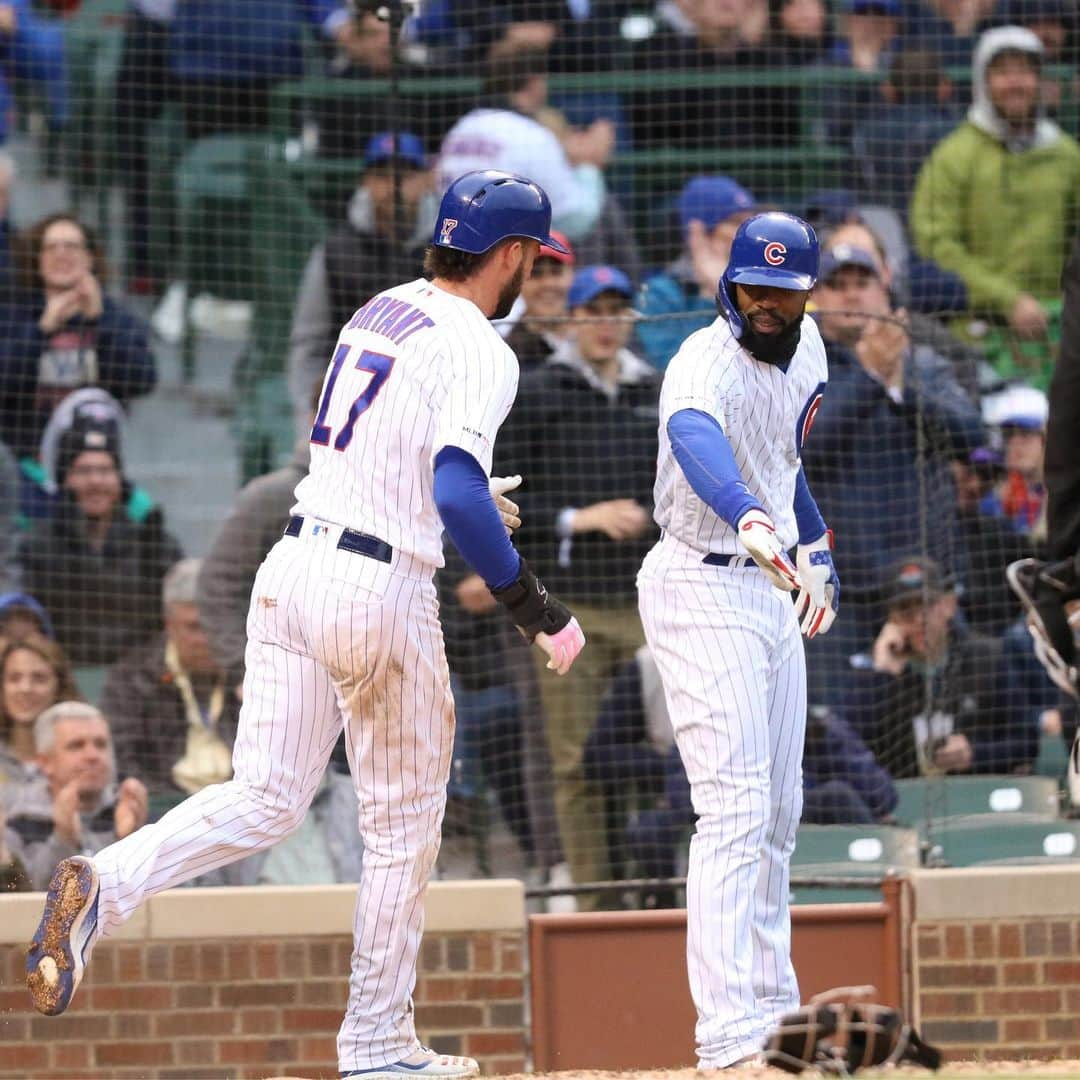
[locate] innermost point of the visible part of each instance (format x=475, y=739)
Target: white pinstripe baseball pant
x=332, y=636
x=729, y=652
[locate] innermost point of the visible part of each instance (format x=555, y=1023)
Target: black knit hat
x=86, y=433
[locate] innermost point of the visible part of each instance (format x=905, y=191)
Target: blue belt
x=350, y=540
x=737, y=561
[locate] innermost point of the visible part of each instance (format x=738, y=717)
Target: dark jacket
x=1062, y=460
x=834, y=753
x=242, y=40
x=630, y=744
x=576, y=446
x=475, y=644
x=727, y=116
x=37, y=370
x=101, y=602
x=970, y=694
x=147, y=717
x=533, y=350
x=990, y=544
x=862, y=463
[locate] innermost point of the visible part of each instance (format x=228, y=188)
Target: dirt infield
x=969, y=1070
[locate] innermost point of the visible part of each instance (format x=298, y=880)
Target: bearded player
x=737, y=402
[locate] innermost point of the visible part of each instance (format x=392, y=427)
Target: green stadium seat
x=948, y=797
x=977, y=842
x=853, y=852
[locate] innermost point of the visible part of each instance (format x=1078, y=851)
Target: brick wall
x=996, y=962
x=244, y=1004
x=241, y=1009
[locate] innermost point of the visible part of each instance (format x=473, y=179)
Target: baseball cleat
x=422, y=1062
x=57, y=956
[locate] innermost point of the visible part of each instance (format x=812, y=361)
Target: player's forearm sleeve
x=471, y=520
x=705, y=456
x=807, y=515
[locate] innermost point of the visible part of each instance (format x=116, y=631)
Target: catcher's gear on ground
x=840, y=1033
x=819, y=593
x=758, y=536
x=1045, y=589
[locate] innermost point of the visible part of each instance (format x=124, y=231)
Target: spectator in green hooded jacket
x=997, y=201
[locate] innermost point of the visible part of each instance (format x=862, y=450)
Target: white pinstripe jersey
x=765, y=413
x=415, y=369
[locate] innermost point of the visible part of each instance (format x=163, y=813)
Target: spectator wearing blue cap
x=682, y=297
x=361, y=257
x=583, y=433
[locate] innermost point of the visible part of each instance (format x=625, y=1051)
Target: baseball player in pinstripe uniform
x=343, y=626
x=737, y=401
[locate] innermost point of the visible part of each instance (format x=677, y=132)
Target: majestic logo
x=448, y=227
x=775, y=253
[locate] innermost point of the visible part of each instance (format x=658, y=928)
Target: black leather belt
x=350, y=540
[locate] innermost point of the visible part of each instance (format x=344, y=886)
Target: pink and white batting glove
x=819, y=593
x=508, y=509
x=562, y=648
x=758, y=536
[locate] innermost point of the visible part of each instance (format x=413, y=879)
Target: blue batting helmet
x=481, y=208
x=774, y=249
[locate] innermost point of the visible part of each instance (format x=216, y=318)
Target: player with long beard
x=738, y=400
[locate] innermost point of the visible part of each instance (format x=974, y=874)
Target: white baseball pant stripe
x=728, y=649
x=333, y=637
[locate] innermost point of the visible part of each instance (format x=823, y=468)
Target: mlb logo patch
x=447, y=231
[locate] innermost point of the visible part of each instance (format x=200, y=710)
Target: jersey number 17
x=380, y=367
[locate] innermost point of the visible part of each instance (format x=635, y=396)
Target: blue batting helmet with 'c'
x=774, y=249
x=481, y=208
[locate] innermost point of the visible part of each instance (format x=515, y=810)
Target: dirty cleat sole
x=61, y=946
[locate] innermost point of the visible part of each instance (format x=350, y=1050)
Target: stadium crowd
x=955, y=203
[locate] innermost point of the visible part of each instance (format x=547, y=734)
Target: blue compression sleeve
x=469, y=514
x=807, y=515
x=705, y=456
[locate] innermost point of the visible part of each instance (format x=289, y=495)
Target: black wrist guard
x=533, y=610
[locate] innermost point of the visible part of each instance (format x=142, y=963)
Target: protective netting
x=197, y=194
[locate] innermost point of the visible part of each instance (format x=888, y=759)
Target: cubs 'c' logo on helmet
x=448, y=227
x=775, y=253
